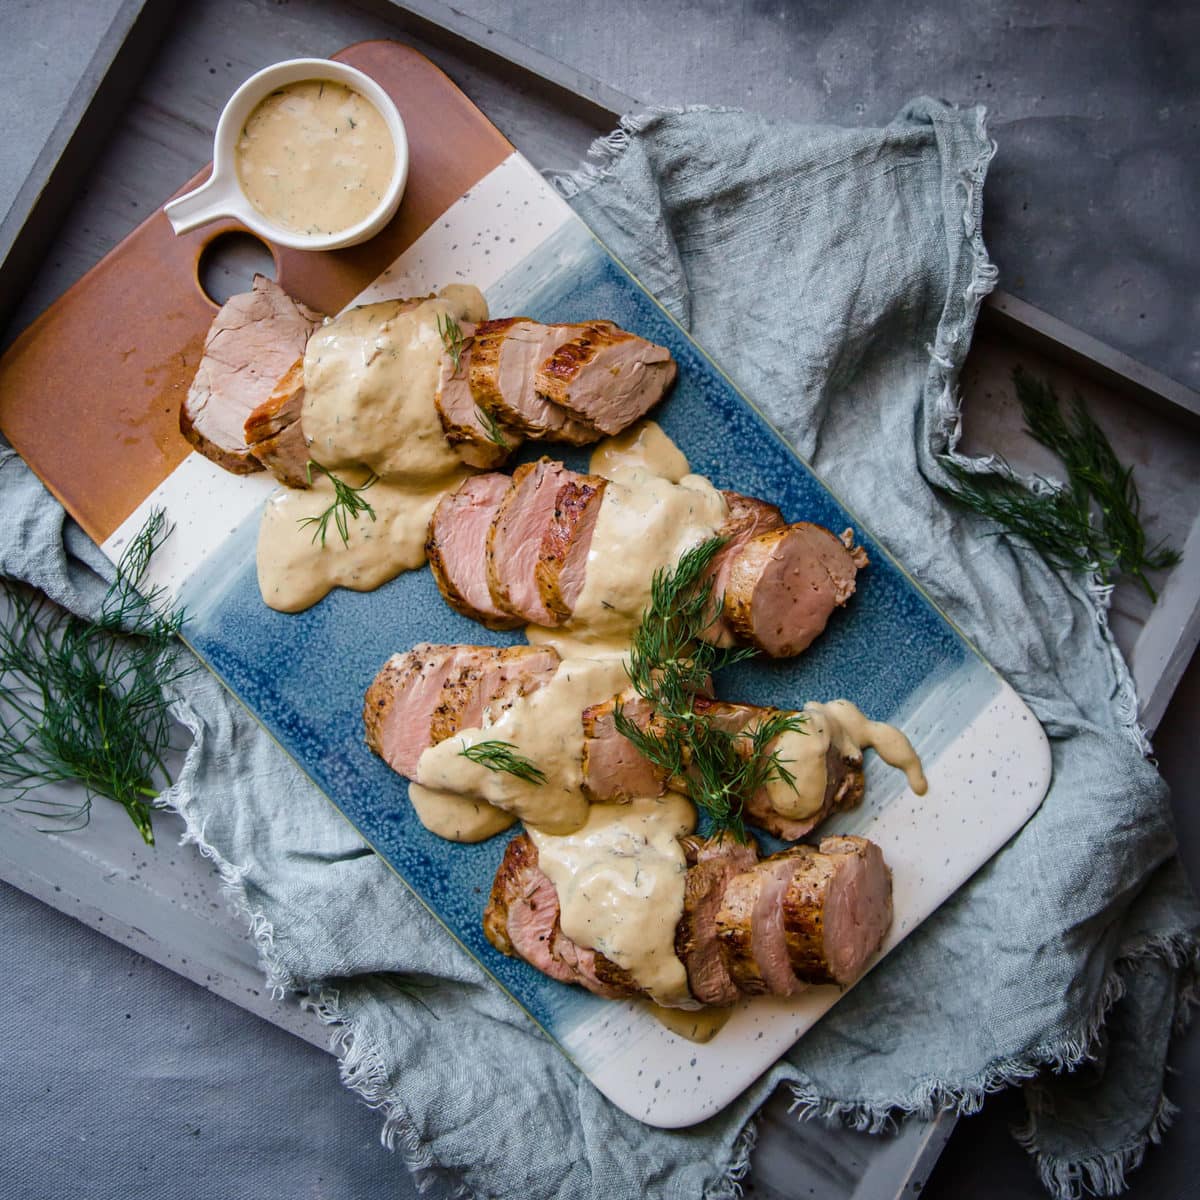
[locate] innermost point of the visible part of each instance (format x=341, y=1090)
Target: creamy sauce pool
x=315, y=157
x=546, y=729
x=457, y=818
x=294, y=572
x=620, y=883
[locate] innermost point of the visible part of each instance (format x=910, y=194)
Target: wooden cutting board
x=90, y=392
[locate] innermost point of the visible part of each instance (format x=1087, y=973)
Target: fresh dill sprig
x=347, y=502
x=452, y=337
x=503, y=756
x=669, y=666
x=84, y=702
x=492, y=428
x=1090, y=523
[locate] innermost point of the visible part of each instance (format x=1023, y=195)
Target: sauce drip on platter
x=315, y=157
x=457, y=818
x=294, y=571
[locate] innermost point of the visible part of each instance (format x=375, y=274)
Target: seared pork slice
x=837, y=909
x=515, y=539
x=400, y=703
x=273, y=432
x=479, y=442
x=606, y=377
x=784, y=585
x=521, y=919
x=613, y=770
x=844, y=787
x=712, y=862
x=504, y=359
x=747, y=518
x=457, y=548
x=563, y=556
x=490, y=684
x=252, y=341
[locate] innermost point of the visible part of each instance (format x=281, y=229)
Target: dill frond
x=84, y=702
x=670, y=666
x=1090, y=523
x=452, y=338
x=347, y=503
x=503, y=756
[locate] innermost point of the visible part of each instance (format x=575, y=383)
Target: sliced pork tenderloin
x=273, y=432
x=712, y=862
x=606, y=377
x=748, y=517
x=409, y=695
x=505, y=357
x=514, y=540
x=844, y=788
x=456, y=547
x=253, y=340
x=784, y=585
x=613, y=770
x=563, y=555
x=480, y=443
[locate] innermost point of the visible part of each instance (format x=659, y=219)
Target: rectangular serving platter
x=892, y=653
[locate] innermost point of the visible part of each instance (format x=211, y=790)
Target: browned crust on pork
x=484, y=370
x=385, y=687
x=735, y=931
x=571, y=505
x=237, y=463
x=520, y=856
x=273, y=429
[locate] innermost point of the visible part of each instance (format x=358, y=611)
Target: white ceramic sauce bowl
x=220, y=197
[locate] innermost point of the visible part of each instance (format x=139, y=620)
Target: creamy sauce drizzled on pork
x=842, y=725
x=294, y=572
x=643, y=445
x=369, y=382
x=645, y=523
x=315, y=157
x=370, y=376
x=620, y=884
x=545, y=728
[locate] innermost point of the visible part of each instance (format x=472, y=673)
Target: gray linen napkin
x=836, y=275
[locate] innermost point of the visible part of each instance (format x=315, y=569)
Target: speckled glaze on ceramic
x=889, y=651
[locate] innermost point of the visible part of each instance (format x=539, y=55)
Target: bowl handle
x=208, y=202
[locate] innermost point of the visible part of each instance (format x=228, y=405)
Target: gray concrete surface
x=1095, y=109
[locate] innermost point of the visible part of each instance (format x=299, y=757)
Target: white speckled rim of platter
x=984, y=784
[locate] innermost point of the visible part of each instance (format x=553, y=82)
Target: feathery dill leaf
x=452, y=338
x=83, y=702
x=503, y=756
x=347, y=502
x=669, y=667
x=492, y=428
x=1093, y=521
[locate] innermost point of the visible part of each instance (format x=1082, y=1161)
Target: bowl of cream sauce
x=308, y=153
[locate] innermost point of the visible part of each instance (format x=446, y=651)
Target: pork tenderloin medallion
x=514, y=545
x=613, y=770
x=784, y=585
x=712, y=863
x=563, y=555
x=409, y=693
x=606, y=377
x=254, y=339
x=480, y=443
x=273, y=431
x=806, y=916
x=505, y=357
x=748, y=517
x=456, y=547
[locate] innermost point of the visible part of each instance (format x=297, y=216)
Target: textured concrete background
x=1091, y=201
x=1094, y=106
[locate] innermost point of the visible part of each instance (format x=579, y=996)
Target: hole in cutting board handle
x=229, y=263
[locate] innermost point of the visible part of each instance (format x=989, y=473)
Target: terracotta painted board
x=90, y=392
